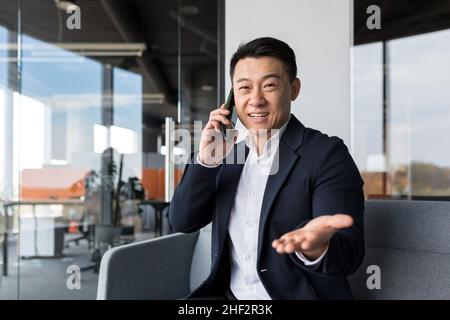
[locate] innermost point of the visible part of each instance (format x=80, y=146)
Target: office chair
x=87, y=233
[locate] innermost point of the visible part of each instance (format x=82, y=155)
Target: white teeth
x=258, y=115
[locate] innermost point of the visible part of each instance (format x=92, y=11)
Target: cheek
x=239, y=109
x=280, y=102
x=275, y=104
x=240, y=105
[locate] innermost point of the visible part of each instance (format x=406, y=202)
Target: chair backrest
x=410, y=242
x=146, y=270
x=201, y=259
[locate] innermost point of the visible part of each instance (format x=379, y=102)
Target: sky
x=419, y=99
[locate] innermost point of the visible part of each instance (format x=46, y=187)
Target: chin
x=258, y=127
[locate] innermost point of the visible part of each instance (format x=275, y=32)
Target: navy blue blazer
x=317, y=176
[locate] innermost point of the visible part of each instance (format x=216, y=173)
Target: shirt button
x=248, y=257
x=249, y=224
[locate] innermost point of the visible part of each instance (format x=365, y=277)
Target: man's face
x=263, y=92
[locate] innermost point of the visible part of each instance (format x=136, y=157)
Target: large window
x=419, y=115
x=401, y=106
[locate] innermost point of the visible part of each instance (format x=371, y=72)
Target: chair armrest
x=152, y=269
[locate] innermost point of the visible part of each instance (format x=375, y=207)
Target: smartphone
x=229, y=105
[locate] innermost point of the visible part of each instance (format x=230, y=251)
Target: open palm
x=313, y=238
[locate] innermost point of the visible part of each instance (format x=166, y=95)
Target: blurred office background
x=85, y=114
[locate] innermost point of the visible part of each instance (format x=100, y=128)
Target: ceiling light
x=207, y=87
x=63, y=4
x=93, y=49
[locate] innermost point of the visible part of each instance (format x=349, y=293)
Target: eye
x=243, y=88
x=270, y=86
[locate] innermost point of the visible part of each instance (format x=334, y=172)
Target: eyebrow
x=270, y=75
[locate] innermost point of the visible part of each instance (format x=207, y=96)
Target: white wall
x=6, y=144
x=319, y=31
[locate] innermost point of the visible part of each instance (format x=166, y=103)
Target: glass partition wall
x=86, y=88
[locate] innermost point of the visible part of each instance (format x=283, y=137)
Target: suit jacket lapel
x=290, y=141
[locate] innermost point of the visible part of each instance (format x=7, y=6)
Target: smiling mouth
x=258, y=115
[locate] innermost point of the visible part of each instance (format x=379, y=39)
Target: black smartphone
x=229, y=105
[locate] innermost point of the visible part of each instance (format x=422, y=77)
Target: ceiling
x=400, y=18
x=154, y=23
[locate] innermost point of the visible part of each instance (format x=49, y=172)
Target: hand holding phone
x=211, y=149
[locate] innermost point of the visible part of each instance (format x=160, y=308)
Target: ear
x=295, y=88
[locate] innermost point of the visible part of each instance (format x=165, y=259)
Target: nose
x=256, y=98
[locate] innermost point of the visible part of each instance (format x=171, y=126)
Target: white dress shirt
x=244, y=219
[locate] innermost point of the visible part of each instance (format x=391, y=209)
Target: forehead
x=255, y=68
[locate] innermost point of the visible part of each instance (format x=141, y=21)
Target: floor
x=46, y=278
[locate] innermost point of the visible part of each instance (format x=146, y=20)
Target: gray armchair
x=408, y=240
x=168, y=267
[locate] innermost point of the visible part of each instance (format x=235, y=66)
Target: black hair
x=266, y=47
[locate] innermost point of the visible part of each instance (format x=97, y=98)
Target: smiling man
x=292, y=233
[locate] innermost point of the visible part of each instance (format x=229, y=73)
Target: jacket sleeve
x=338, y=188
x=193, y=202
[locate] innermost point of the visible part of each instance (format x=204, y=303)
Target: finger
x=287, y=237
x=285, y=245
x=277, y=242
x=280, y=241
x=220, y=118
x=209, y=125
x=295, y=243
x=212, y=125
x=290, y=247
x=280, y=248
x=221, y=110
x=216, y=126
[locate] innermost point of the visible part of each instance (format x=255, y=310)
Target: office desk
x=41, y=237
x=8, y=204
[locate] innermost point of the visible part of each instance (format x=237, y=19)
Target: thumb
x=340, y=221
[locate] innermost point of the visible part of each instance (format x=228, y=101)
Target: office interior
x=87, y=112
